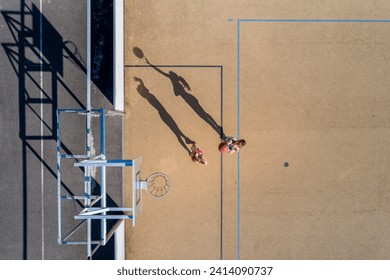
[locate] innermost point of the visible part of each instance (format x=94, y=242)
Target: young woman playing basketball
x=230, y=145
x=197, y=155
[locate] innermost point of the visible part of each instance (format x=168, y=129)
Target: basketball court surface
x=304, y=83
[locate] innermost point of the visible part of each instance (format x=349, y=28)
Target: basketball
x=223, y=147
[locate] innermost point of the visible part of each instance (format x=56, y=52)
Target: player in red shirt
x=197, y=155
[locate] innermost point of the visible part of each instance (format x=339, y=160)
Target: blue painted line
x=230, y=19
x=315, y=20
x=239, y=94
x=238, y=137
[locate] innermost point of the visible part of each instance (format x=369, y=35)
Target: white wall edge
x=119, y=96
x=120, y=252
x=119, y=85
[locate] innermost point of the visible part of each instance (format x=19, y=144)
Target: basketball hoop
x=158, y=184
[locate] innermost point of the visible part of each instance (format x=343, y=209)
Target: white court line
x=41, y=115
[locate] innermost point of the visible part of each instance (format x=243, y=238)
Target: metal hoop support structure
x=94, y=203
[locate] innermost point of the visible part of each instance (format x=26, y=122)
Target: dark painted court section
x=30, y=94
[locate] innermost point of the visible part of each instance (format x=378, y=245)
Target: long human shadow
x=181, y=88
x=30, y=53
x=164, y=115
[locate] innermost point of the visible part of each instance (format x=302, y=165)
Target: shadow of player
x=164, y=115
x=181, y=88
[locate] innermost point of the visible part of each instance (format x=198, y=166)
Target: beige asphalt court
x=309, y=97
